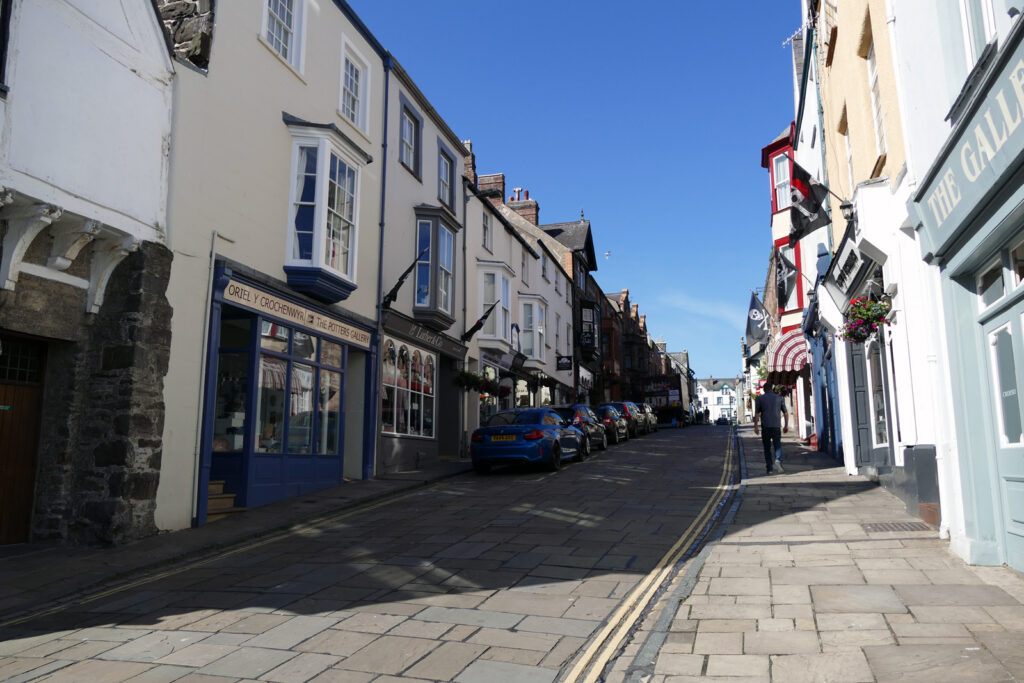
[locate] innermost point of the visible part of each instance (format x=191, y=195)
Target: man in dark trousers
x=770, y=412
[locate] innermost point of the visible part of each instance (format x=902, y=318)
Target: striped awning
x=788, y=353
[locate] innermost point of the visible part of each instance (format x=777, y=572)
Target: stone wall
x=188, y=25
x=98, y=462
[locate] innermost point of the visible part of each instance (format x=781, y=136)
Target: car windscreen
x=607, y=412
x=499, y=419
x=530, y=417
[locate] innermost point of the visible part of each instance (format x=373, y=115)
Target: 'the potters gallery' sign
x=262, y=302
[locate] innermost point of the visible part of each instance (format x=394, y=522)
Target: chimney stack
x=525, y=207
x=492, y=186
x=469, y=165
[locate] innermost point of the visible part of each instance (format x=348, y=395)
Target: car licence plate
x=503, y=437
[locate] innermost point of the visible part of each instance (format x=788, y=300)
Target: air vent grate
x=877, y=527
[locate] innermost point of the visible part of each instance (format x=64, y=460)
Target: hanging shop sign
x=564, y=363
x=254, y=299
x=985, y=147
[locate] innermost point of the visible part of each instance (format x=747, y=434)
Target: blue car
x=533, y=435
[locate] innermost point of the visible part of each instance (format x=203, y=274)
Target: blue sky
x=650, y=116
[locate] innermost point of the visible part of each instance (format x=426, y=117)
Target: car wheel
x=604, y=441
x=482, y=467
x=584, y=449
x=556, y=458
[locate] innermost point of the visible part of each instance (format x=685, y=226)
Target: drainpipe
x=463, y=413
x=369, y=464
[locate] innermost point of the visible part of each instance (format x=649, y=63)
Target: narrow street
x=521, y=575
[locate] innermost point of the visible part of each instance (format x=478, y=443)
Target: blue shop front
x=970, y=220
x=288, y=397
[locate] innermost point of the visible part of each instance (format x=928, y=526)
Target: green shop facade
x=969, y=213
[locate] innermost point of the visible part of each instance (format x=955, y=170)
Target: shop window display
x=407, y=392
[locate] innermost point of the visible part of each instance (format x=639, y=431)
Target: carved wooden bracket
x=23, y=225
x=108, y=252
x=68, y=240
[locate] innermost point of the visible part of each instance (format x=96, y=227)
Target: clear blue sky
x=649, y=115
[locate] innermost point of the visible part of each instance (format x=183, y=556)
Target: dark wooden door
x=21, y=393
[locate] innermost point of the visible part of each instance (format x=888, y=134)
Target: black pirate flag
x=758, y=325
x=808, y=208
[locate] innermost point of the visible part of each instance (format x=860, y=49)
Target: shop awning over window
x=788, y=353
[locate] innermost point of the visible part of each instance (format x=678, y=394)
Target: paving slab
x=840, y=667
x=930, y=663
x=484, y=671
x=856, y=598
x=954, y=594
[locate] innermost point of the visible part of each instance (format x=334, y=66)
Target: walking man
x=770, y=412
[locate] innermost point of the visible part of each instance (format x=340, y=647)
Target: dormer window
x=322, y=226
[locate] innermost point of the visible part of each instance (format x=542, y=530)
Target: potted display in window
x=864, y=318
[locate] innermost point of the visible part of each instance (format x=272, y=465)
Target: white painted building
x=85, y=120
x=275, y=224
x=720, y=397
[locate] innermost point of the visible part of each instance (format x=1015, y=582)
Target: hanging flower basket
x=864, y=318
x=468, y=380
x=785, y=390
x=504, y=390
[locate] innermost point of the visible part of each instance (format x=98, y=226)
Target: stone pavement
x=801, y=589
x=37, y=574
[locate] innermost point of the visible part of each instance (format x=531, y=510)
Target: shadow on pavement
x=519, y=542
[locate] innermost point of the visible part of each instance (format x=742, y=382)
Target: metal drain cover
x=876, y=527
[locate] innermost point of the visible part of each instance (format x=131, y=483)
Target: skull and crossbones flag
x=758, y=325
x=785, y=278
x=808, y=208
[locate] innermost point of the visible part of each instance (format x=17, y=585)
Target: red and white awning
x=788, y=353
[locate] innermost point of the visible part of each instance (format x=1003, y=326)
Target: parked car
x=533, y=435
x=584, y=419
x=631, y=411
x=721, y=420
x=652, y=418
x=615, y=426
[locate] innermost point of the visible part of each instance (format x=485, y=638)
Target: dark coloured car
x=584, y=419
x=631, y=411
x=722, y=420
x=652, y=418
x=616, y=426
x=534, y=435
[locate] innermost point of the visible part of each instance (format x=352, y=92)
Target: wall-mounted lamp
x=848, y=212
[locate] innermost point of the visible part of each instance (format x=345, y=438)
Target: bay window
x=496, y=289
x=323, y=217
x=434, y=302
x=531, y=333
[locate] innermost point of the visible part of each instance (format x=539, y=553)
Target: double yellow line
x=595, y=657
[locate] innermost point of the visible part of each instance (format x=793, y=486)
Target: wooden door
x=21, y=392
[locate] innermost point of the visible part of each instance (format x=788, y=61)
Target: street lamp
x=849, y=214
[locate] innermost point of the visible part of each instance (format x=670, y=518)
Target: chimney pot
x=527, y=195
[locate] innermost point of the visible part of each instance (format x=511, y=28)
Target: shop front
x=286, y=387
x=421, y=406
x=969, y=215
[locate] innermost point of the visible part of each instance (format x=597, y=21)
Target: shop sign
x=564, y=363
x=847, y=271
x=980, y=153
x=254, y=299
x=423, y=335
x=586, y=378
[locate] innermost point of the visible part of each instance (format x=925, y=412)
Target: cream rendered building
x=274, y=215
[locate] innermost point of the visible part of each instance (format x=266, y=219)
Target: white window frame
x=445, y=273
x=488, y=241
x=500, y=319
x=293, y=53
x=544, y=266
x=876, y=100
x=558, y=282
x=525, y=265
x=359, y=117
x=995, y=263
x=558, y=333
x=972, y=49
x=780, y=180
x=318, y=258
x=526, y=331
x=446, y=179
